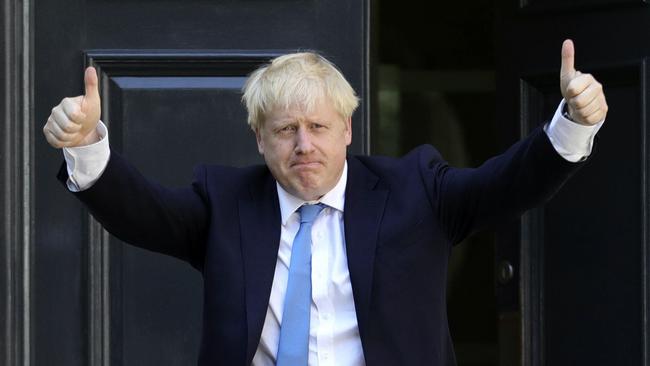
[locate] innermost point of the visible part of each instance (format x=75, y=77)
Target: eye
x=287, y=129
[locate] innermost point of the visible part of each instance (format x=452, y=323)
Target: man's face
x=305, y=151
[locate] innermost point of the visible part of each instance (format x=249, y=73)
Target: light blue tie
x=293, y=349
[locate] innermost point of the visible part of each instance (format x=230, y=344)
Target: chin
x=308, y=192
x=308, y=187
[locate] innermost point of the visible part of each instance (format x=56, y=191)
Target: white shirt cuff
x=87, y=163
x=571, y=140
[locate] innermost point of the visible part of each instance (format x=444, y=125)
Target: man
x=317, y=257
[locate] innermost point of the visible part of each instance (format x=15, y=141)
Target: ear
x=348, y=131
x=260, y=142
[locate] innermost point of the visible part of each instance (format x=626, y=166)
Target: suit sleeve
x=466, y=200
x=148, y=215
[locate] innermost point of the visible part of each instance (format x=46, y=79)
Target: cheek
x=338, y=146
x=277, y=154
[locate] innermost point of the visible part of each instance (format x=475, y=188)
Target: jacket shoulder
x=421, y=158
x=228, y=179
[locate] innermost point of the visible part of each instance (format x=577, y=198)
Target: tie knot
x=308, y=213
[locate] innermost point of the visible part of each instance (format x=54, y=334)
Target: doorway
x=436, y=85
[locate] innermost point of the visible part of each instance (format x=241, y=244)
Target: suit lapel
x=259, y=215
x=364, y=208
x=260, y=222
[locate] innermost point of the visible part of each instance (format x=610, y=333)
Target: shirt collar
x=335, y=198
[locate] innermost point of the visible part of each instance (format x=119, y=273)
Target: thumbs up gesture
x=74, y=121
x=584, y=95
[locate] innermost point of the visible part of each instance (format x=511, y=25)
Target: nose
x=304, y=143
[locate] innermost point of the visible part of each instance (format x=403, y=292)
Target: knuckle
x=572, y=88
x=53, y=121
x=52, y=141
x=66, y=127
x=69, y=126
x=582, y=115
x=76, y=115
x=71, y=105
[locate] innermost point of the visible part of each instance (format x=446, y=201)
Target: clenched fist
x=583, y=94
x=74, y=121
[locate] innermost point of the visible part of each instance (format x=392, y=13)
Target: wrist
x=565, y=112
x=91, y=138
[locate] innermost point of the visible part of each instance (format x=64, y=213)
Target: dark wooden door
x=170, y=78
x=579, y=290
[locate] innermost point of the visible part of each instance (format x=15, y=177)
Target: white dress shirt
x=334, y=334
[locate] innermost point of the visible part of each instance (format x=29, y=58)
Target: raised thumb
x=568, y=55
x=90, y=81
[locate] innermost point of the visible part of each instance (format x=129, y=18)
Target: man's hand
x=74, y=121
x=583, y=94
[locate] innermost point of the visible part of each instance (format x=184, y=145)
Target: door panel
x=594, y=245
x=580, y=294
x=190, y=104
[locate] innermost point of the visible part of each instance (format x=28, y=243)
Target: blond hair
x=302, y=79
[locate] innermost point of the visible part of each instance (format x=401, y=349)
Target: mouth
x=305, y=164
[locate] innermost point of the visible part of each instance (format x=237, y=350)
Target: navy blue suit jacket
x=401, y=218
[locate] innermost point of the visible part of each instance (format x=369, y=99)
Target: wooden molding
x=111, y=64
x=533, y=90
x=16, y=173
